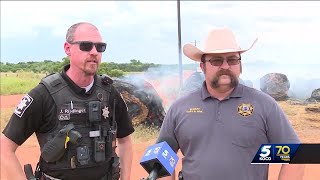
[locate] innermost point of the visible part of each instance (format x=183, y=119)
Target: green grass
x=18, y=83
x=22, y=82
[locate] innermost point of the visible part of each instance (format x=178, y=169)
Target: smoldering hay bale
x=144, y=103
x=315, y=96
x=276, y=85
x=191, y=84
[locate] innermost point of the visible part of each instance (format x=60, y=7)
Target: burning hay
x=144, y=103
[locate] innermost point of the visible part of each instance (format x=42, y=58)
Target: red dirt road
x=29, y=153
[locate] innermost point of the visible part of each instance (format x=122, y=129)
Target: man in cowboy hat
x=220, y=126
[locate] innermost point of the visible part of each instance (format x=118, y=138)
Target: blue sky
x=288, y=32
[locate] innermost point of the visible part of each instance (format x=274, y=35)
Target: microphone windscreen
x=162, y=154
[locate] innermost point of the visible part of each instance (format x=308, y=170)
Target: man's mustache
x=225, y=72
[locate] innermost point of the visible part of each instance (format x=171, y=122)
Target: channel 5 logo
x=265, y=153
x=275, y=153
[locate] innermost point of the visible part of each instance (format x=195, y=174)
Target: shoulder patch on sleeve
x=23, y=105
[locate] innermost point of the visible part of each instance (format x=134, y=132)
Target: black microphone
x=154, y=174
x=160, y=159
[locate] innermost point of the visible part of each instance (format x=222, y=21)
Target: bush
x=115, y=73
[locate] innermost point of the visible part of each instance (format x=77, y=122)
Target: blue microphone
x=159, y=160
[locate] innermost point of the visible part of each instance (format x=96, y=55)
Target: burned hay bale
x=144, y=103
x=191, y=84
x=276, y=85
x=315, y=96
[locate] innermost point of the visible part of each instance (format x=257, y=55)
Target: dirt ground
x=29, y=152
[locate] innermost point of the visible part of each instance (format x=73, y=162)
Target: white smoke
x=303, y=78
x=166, y=79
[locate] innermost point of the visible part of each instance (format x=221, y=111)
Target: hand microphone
x=160, y=160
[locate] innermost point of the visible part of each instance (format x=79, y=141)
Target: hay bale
x=276, y=85
x=144, y=103
x=314, y=108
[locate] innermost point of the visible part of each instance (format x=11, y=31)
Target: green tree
x=115, y=73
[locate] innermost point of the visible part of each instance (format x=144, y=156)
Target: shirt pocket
x=244, y=133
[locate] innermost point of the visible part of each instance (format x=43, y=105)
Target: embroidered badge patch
x=23, y=105
x=194, y=110
x=245, y=109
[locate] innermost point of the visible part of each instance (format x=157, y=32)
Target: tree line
x=47, y=66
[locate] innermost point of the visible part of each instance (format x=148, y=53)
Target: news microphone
x=159, y=160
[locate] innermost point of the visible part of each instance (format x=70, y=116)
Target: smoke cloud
x=165, y=79
x=303, y=78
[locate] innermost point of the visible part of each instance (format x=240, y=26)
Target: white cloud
x=158, y=9
x=290, y=33
x=24, y=18
x=287, y=25
x=291, y=28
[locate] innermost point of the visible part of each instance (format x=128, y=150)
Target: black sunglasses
x=88, y=45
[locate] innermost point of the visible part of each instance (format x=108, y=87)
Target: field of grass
x=306, y=124
x=18, y=83
x=145, y=134
x=22, y=82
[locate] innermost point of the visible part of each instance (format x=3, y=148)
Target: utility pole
x=179, y=45
x=195, y=44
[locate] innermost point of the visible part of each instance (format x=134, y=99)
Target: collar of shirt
x=78, y=90
x=87, y=89
x=237, y=92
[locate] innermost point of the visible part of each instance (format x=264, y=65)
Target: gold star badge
x=105, y=112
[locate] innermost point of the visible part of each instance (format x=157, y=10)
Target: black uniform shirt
x=37, y=112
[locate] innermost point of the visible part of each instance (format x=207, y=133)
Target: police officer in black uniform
x=78, y=116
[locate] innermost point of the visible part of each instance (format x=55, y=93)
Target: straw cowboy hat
x=221, y=40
